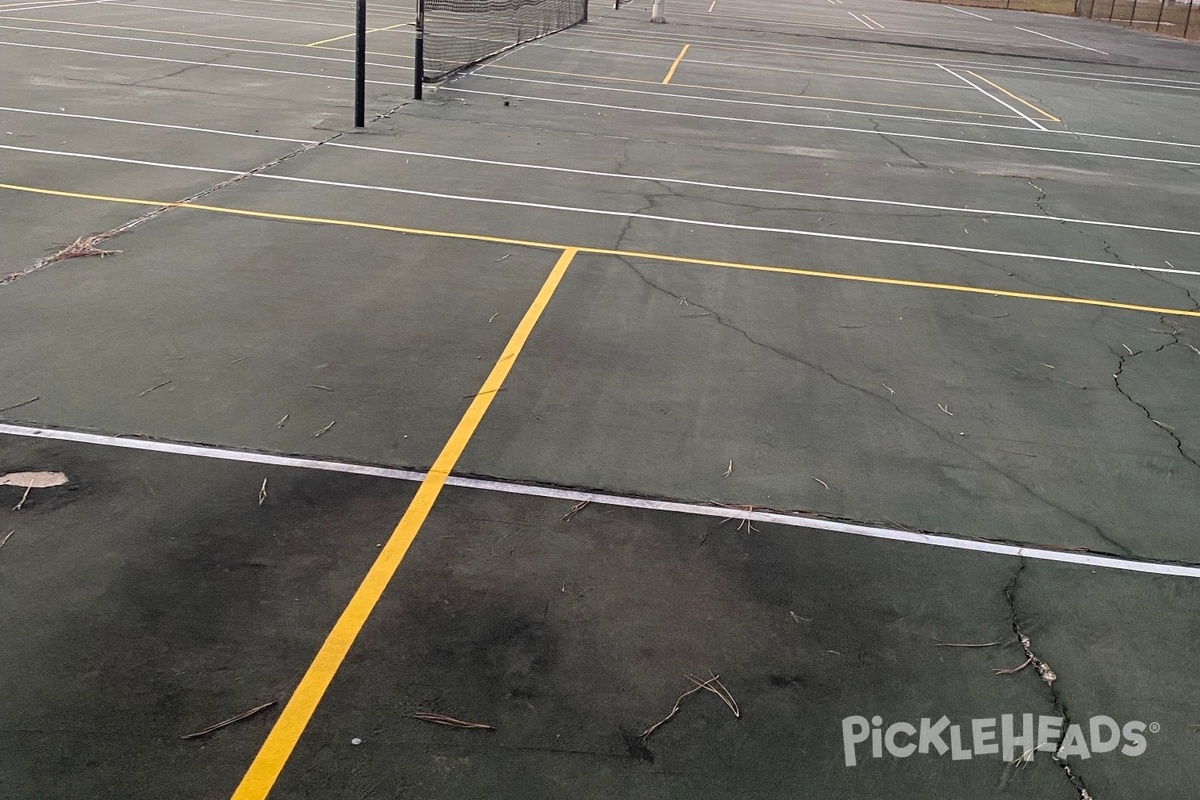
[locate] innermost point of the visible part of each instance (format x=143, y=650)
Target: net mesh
x=459, y=33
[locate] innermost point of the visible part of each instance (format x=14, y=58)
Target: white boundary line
x=842, y=237
x=861, y=21
x=837, y=54
x=810, y=126
x=980, y=212
x=222, y=48
x=988, y=94
x=758, y=103
x=238, y=16
x=194, y=64
x=790, y=520
x=546, y=45
x=1064, y=41
x=972, y=13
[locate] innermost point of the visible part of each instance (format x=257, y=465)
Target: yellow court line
x=675, y=64
x=755, y=91
x=190, y=34
x=348, y=35
x=1048, y=116
x=480, y=237
x=868, y=19
x=264, y=771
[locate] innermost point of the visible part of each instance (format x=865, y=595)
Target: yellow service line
x=348, y=35
x=273, y=755
x=603, y=251
x=1045, y=114
x=754, y=91
x=675, y=64
x=191, y=35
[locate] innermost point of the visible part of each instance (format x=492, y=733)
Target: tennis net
x=459, y=33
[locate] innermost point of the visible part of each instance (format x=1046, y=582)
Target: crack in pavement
x=72, y=250
x=1046, y=676
x=1174, y=334
x=1094, y=527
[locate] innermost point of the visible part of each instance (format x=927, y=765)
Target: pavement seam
x=1045, y=675
x=72, y=250
x=69, y=251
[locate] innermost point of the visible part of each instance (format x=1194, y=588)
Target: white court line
x=697, y=223
x=56, y=5
x=164, y=125
x=907, y=61
x=861, y=20
x=811, y=126
x=988, y=94
x=1064, y=41
x=227, y=14
x=758, y=103
x=546, y=45
x=207, y=47
x=972, y=13
x=527, y=490
x=979, y=212
x=195, y=63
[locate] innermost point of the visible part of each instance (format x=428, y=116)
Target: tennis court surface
x=695, y=410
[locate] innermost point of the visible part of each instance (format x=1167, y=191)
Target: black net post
x=419, y=52
x=1162, y=4
x=1187, y=20
x=360, y=65
x=1132, y=14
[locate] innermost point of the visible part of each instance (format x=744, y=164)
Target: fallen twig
x=1127, y=348
x=1194, y=350
x=675, y=708
x=323, y=430
x=940, y=643
x=493, y=316
x=890, y=389
x=32, y=399
x=319, y=386
x=1013, y=670
x=818, y=480
x=451, y=722
x=262, y=492
x=582, y=504
x=24, y=497
x=944, y=409
x=5, y=539
x=152, y=388
x=282, y=421
x=716, y=687
x=485, y=391
x=728, y=470
x=230, y=721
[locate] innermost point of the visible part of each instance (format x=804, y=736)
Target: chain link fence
x=1172, y=17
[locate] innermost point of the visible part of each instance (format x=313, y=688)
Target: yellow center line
x=755, y=92
x=285, y=733
x=348, y=35
x=1048, y=116
x=480, y=237
x=675, y=64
